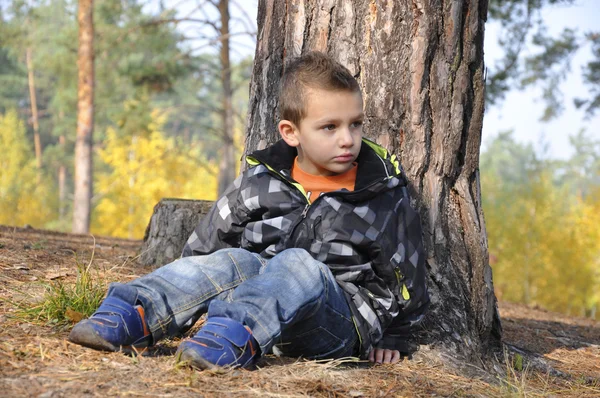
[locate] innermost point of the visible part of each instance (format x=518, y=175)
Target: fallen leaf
x=73, y=315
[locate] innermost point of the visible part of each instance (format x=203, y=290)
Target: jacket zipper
x=309, y=205
x=303, y=215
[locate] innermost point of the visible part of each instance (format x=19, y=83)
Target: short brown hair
x=311, y=70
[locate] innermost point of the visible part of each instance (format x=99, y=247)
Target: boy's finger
x=395, y=356
x=379, y=355
x=387, y=356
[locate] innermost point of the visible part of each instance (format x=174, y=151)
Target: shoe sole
x=191, y=358
x=92, y=340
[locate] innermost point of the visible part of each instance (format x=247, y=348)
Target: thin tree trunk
x=420, y=65
x=227, y=166
x=34, y=113
x=187, y=137
x=62, y=181
x=85, y=119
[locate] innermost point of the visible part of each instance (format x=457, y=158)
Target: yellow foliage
x=545, y=244
x=143, y=170
x=588, y=233
x=23, y=199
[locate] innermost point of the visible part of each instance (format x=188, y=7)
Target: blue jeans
x=291, y=300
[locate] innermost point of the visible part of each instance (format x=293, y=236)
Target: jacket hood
x=374, y=162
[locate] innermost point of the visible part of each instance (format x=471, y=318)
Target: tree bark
x=85, y=119
x=62, y=181
x=227, y=165
x=171, y=224
x=420, y=66
x=34, y=112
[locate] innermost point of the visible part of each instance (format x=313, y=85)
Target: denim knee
x=297, y=256
x=302, y=265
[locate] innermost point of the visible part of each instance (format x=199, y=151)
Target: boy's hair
x=311, y=70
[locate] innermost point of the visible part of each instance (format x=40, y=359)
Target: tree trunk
x=34, y=113
x=85, y=119
x=227, y=165
x=62, y=181
x=420, y=65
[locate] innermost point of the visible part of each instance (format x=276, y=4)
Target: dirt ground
x=555, y=355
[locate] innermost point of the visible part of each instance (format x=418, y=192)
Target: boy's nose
x=345, y=138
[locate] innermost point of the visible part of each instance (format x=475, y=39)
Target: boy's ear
x=288, y=132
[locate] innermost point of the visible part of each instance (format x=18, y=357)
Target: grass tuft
x=515, y=383
x=65, y=302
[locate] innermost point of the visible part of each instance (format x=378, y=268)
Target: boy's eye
x=329, y=127
x=357, y=124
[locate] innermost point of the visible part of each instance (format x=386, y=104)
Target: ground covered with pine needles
x=49, y=280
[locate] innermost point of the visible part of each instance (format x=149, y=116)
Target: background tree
x=542, y=226
x=82, y=202
x=23, y=199
x=533, y=56
x=203, y=15
x=137, y=62
x=421, y=70
x=227, y=169
x=142, y=167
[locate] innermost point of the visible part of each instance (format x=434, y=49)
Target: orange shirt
x=316, y=185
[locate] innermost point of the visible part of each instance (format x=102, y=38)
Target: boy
x=314, y=250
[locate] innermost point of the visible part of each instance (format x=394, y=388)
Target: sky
x=521, y=110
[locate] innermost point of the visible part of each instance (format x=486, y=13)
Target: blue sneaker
x=221, y=342
x=115, y=326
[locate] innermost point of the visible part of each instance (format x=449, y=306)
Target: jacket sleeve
x=224, y=224
x=409, y=264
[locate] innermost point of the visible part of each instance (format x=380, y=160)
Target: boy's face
x=329, y=137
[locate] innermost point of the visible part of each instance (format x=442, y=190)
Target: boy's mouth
x=346, y=157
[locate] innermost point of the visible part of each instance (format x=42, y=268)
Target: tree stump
x=172, y=222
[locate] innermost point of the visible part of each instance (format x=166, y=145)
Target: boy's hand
x=383, y=355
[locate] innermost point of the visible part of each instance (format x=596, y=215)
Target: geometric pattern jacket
x=370, y=238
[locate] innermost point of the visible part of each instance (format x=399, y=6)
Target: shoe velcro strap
x=219, y=351
x=124, y=312
x=229, y=329
x=113, y=305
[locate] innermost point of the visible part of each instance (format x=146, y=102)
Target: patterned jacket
x=370, y=238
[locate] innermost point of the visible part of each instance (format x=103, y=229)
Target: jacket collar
x=371, y=166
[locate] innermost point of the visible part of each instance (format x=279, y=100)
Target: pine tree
x=420, y=67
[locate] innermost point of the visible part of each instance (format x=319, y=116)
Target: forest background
x=160, y=126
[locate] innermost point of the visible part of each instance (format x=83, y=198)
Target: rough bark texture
x=420, y=65
x=85, y=119
x=172, y=222
x=227, y=165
